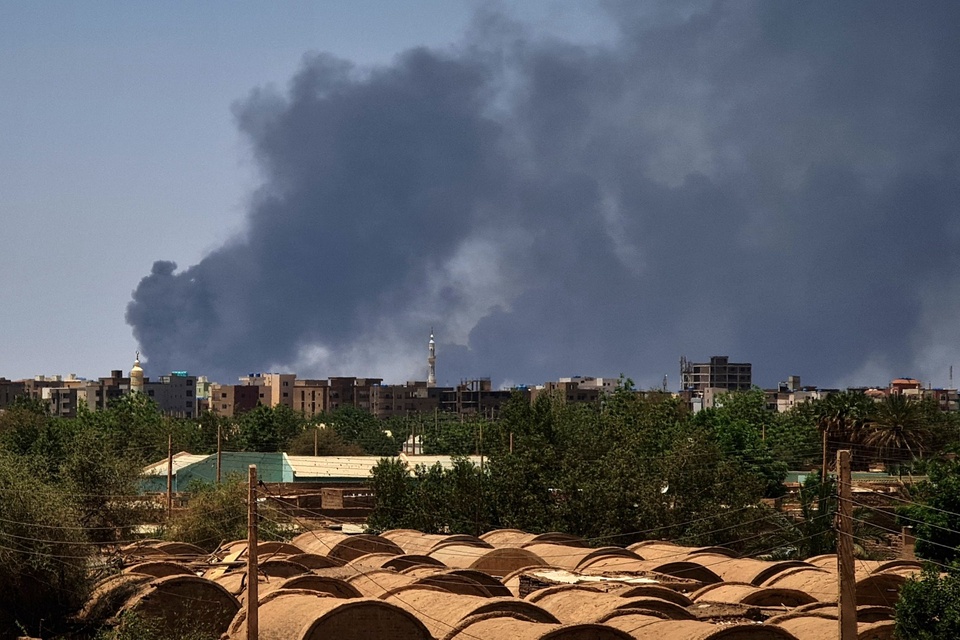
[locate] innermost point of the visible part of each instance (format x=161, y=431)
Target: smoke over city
x=774, y=181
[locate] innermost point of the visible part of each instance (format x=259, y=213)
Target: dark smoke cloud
x=774, y=181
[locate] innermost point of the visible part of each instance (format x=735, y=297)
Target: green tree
x=393, y=490
x=327, y=441
x=840, y=421
x=738, y=426
x=934, y=512
x=361, y=427
x=813, y=533
x=929, y=606
x=218, y=513
x=267, y=429
x=449, y=434
x=793, y=437
x=43, y=550
x=897, y=430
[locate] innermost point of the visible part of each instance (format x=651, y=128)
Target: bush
x=218, y=513
x=43, y=550
x=133, y=627
x=929, y=606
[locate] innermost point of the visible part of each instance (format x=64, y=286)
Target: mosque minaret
x=136, y=376
x=432, y=362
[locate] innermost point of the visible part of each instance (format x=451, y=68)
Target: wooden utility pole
x=823, y=471
x=253, y=621
x=169, y=476
x=846, y=574
x=219, y=451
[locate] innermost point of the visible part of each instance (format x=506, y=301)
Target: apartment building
x=399, y=400
x=175, y=394
x=718, y=373
x=233, y=399
x=274, y=388
x=311, y=397
x=475, y=397
x=10, y=390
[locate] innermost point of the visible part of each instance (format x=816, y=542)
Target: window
x=150, y=393
x=285, y=394
x=189, y=393
x=223, y=406
x=286, y=383
x=223, y=395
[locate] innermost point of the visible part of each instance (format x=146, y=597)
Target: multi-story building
x=113, y=387
x=351, y=392
x=719, y=373
x=474, y=397
x=569, y=390
x=10, y=390
x=311, y=397
x=275, y=388
x=789, y=394
x=175, y=394
x=233, y=399
x=412, y=398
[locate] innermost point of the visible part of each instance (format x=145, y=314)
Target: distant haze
x=774, y=181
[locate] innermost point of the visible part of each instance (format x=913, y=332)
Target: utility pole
x=316, y=437
x=823, y=472
x=847, y=579
x=479, y=478
x=169, y=476
x=253, y=621
x=219, y=451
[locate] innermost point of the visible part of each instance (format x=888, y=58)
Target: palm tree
x=897, y=429
x=840, y=419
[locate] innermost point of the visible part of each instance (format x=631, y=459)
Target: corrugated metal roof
x=305, y=467
x=180, y=460
x=445, y=461
x=333, y=466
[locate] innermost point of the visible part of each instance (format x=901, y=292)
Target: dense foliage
x=67, y=489
x=629, y=468
x=929, y=606
x=934, y=513
x=216, y=514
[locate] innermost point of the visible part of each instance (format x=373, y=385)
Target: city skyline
x=557, y=187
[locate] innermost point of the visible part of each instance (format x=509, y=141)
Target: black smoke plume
x=774, y=181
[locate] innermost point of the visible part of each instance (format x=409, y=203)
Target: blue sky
x=118, y=146
x=557, y=187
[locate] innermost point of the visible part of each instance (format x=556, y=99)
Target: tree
x=218, y=513
x=739, y=425
x=929, y=605
x=793, y=437
x=896, y=429
x=327, y=441
x=934, y=512
x=392, y=489
x=449, y=434
x=813, y=534
x=361, y=427
x=840, y=419
x=267, y=429
x=43, y=550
